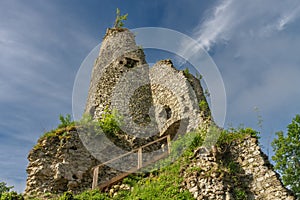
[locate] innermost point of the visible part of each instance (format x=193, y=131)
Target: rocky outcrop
x=242, y=171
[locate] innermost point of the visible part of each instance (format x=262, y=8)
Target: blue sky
x=254, y=43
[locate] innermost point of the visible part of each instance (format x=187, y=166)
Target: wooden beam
x=140, y=158
x=95, y=177
x=169, y=143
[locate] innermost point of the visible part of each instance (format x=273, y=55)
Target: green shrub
x=249, y=131
x=226, y=137
x=119, y=22
x=239, y=194
x=67, y=196
x=186, y=73
x=65, y=121
x=11, y=196
x=203, y=105
x=110, y=122
x=233, y=167
x=4, y=188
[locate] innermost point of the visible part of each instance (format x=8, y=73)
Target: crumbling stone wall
x=58, y=164
x=172, y=90
x=242, y=169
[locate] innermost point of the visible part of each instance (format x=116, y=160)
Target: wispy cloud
x=217, y=26
x=288, y=17
x=231, y=18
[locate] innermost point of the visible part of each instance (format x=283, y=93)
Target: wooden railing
x=139, y=165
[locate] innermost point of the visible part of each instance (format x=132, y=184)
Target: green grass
x=164, y=185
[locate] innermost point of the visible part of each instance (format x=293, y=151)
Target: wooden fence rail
x=139, y=165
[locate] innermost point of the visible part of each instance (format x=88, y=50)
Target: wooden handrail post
x=139, y=164
x=95, y=178
x=169, y=143
x=140, y=158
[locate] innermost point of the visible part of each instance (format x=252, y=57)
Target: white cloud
x=231, y=18
x=217, y=26
x=287, y=18
x=256, y=53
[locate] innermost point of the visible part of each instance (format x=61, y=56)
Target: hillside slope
x=235, y=169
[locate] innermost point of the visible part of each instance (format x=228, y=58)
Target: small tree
x=119, y=19
x=287, y=155
x=4, y=188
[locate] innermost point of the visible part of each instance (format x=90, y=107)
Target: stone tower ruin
x=151, y=100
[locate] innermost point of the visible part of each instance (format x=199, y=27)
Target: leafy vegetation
x=110, y=122
x=89, y=194
x=186, y=72
x=203, y=105
x=65, y=121
x=239, y=194
x=164, y=186
x=119, y=22
x=11, y=196
x=287, y=155
x=226, y=137
x=4, y=187
x=7, y=194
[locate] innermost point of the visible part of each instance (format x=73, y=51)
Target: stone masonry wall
x=171, y=89
x=242, y=169
x=118, y=55
x=59, y=163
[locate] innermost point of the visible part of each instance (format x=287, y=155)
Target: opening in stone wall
x=168, y=111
